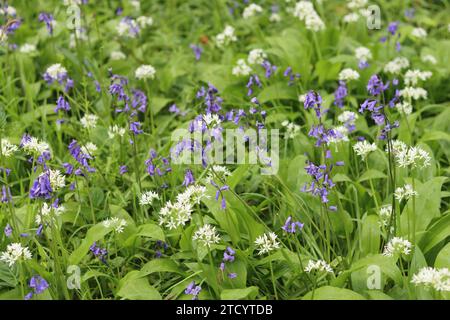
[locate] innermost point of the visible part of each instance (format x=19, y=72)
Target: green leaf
x=134, y=287
x=436, y=233
x=239, y=294
x=370, y=235
x=160, y=265
x=372, y=174
x=443, y=257
x=332, y=293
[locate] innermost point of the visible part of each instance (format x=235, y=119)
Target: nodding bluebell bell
x=99, y=252
x=292, y=76
x=8, y=230
x=340, y=94
x=135, y=127
x=48, y=20
x=253, y=80
x=322, y=135
x=321, y=183
x=188, y=178
x=123, y=169
x=313, y=100
x=375, y=86
x=197, y=51
x=193, y=290
x=219, y=193
x=41, y=187
x=291, y=226
x=79, y=156
x=212, y=101
x=157, y=165
x=38, y=285
x=269, y=68
x=62, y=104
x=6, y=195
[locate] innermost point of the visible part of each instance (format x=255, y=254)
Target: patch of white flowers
x=363, y=148
x=206, y=235
x=438, y=279
x=397, y=65
x=341, y=133
x=115, y=130
x=251, y=10
x=385, y=215
x=413, y=76
x=363, y=54
x=118, y=224
x=147, y=198
x=304, y=10
x=145, y=71
x=404, y=107
x=348, y=74
x=256, y=56
x=319, y=266
x=7, y=148
x=56, y=71
x=89, y=148
x=406, y=192
x=15, y=252
x=34, y=145
x=174, y=215
x=144, y=21
x=348, y=117
x=89, y=121
x=57, y=180
x=414, y=93
x=406, y=156
x=356, y=4
x=429, y=58
x=266, y=243
x=241, y=69
x=419, y=33
x=49, y=213
x=292, y=129
x=397, y=246
x=226, y=37
x=117, y=55
x=193, y=194
x=27, y=48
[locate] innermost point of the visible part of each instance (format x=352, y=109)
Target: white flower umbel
x=304, y=11
x=118, y=224
x=115, y=130
x=341, y=133
x=193, y=194
x=351, y=17
x=404, y=107
x=397, y=246
x=302, y=98
x=117, y=55
x=241, y=69
x=145, y=71
x=226, y=37
x=385, y=215
x=35, y=146
x=419, y=33
x=89, y=148
x=27, y=48
x=413, y=76
x=363, y=148
x=318, y=266
x=406, y=156
x=147, y=198
x=15, y=252
x=356, y=4
x=56, y=71
x=438, y=279
x=256, y=56
x=397, y=65
x=144, y=21
x=405, y=192
x=221, y=172
x=206, y=235
x=174, y=215
x=48, y=213
x=292, y=129
x=348, y=117
x=7, y=148
x=429, y=58
x=363, y=54
x=128, y=28
x=251, y=10
x=275, y=17
x=413, y=93
x=266, y=243
x=348, y=74
x=57, y=180
x=89, y=121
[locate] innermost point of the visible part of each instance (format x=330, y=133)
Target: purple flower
x=135, y=127
x=38, y=284
x=197, y=51
x=232, y=275
x=219, y=193
x=340, y=94
x=6, y=195
x=188, y=178
x=62, y=104
x=292, y=226
x=363, y=65
x=8, y=230
x=393, y=27
x=99, y=252
x=123, y=169
x=193, y=290
x=253, y=80
x=48, y=20
x=269, y=68
x=139, y=100
x=322, y=135
x=41, y=187
x=321, y=182
x=79, y=156
x=292, y=76
x=375, y=86
x=313, y=100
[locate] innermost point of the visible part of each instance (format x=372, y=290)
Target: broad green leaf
x=332, y=293
x=239, y=294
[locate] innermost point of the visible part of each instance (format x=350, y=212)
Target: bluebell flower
x=313, y=100
x=62, y=104
x=6, y=195
x=8, y=230
x=193, y=289
x=340, y=94
x=292, y=226
x=48, y=20
x=197, y=51
x=41, y=187
x=99, y=252
x=188, y=178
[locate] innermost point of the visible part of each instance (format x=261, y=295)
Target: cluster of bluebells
x=37, y=285
x=392, y=32
x=76, y=151
x=193, y=290
x=56, y=73
x=291, y=226
x=160, y=247
x=99, y=252
x=157, y=165
x=228, y=257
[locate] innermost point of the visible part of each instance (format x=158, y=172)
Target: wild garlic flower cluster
x=267, y=243
x=419, y=33
x=413, y=93
x=396, y=247
x=404, y=107
x=49, y=213
x=251, y=10
x=363, y=148
x=7, y=148
x=406, y=156
x=15, y=252
x=115, y=130
x=89, y=148
x=363, y=54
x=226, y=37
x=32, y=145
x=145, y=71
x=89, y=121
x=438, y=279
x=174, y=215
x=118, y=224
x=221, y=173
x=429, y=58
x=406, y=192
x=348, y=74
x=318, y=266
x=147, y=198
x=396, y=66
x=206, y=235
x=241, y=69
x=144, y=21
x=385, y=215
x=413, y=76
x=56, y=178
x=304, y=10
x=127, y=27
x=256, y=56
x=292, y=129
